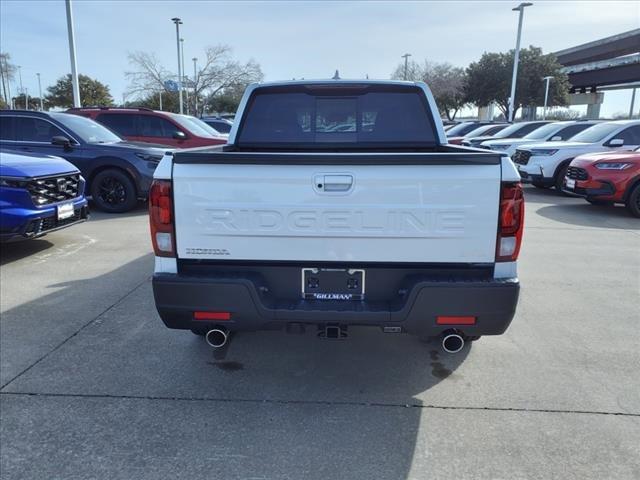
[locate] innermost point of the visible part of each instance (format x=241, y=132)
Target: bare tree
x=7, y=75
x=149, y=75
x=447, y=83
x=217, y=72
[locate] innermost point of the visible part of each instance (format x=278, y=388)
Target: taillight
x=510, y=223
x=161, y=218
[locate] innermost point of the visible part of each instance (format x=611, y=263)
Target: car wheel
x=560, y=174
x=540, y=185
x=633, y=201
x=113, y=191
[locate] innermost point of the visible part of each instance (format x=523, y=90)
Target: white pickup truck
x=337, y=203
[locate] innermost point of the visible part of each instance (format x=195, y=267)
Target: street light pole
x=546, y=96
x=184, y=77
x=406, y=63
x=26, y=105
x=516, y=58
x=72, y=54
x=195, y=93
x=178, y=22
x=40, y=93
x=160, y=96
x=633, y=101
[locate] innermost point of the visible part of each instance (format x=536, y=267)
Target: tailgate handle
x=336, y=183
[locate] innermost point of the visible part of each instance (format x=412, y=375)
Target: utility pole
x=195, y=93
x=40, y=93
x=406, y=63
x=26, y=98
x=178, y=22
x=26, y=106
x=633, y=101
x=184, y=77
x=4, y=87
x=516, y=58
x=72, y=55
x=160, y=97
x=546, y=96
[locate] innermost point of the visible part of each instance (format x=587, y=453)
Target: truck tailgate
x=343, y=213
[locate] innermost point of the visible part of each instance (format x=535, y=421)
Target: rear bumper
x=492, y=302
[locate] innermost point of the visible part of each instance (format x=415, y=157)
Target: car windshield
x=206, y=126
x=194, y=125
x=460, y=129
x=544, y=131
x=88, y=130
x=479, y=131
x=219, y=125
x=509, y=131
x=595, y=133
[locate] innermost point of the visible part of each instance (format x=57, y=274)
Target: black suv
x=118, y=173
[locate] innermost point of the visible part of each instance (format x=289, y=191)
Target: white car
x=544, y=164
x=552, y=132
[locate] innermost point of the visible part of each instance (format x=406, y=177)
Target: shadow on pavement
x=587, y=215
x=284, y=405
x=98, y=215
x=12, y=251
x=543, y=195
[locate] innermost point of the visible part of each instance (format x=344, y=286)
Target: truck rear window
x=324, y=116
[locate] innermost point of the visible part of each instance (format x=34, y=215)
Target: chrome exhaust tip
x=216, y=338
x=452, y=342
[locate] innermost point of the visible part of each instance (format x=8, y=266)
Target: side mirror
x=616, y=142
x=557, y=138
x=178, y=135
x=61, y=141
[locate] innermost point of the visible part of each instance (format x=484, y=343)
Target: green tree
x=92, y=92
x=447, y=83
x=169, y=101
x=489, y=79
x=226, y=100
x=34, y=102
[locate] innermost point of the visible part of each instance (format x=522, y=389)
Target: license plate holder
x=65, y=211
x=333, y=284
x=570, y=183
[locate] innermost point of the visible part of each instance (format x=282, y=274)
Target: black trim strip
x=243, y=158
x=334, y=264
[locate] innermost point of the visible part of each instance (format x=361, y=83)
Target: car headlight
x=612, y=165
x=149, y=157
x=544, y=152
x=12, y=182
x=499, y=147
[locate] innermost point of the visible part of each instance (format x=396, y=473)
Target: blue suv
x=38, y=195
x=118, y=173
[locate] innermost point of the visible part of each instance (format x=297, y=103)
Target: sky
x=301, y=39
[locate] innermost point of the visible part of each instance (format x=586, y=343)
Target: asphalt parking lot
x=94, y=385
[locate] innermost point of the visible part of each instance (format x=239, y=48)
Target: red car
x=606, y=178
x=153, y=126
